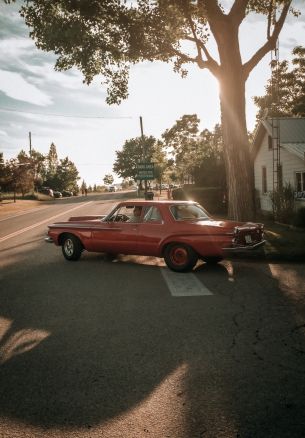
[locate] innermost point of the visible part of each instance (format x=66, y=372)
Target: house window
x=300, y=181
x=264, y=179
x=269, y=142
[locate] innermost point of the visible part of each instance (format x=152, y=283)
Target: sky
x=57, y=107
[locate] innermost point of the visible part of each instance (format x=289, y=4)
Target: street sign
x=145, y=171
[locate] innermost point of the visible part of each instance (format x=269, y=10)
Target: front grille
x=247, y=236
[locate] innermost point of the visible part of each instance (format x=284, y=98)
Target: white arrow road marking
x=184, y=284
x=23, y=230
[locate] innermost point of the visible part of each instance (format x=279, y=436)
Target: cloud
x=15, y=47
x=3, y=133
x=16, y=87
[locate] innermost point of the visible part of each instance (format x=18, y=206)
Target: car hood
x=79, y=221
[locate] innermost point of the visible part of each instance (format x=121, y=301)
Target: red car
x=180, y=231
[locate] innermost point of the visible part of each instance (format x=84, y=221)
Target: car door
x=151, y=231
x=117, y=236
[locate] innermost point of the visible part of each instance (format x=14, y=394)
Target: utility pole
x=144, y=153
x=30, y=140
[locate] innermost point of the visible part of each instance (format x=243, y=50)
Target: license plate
x=248, y=238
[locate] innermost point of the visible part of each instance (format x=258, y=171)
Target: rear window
x=184, y=212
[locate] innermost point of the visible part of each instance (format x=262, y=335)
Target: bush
x=283, y=204
x=299, y=218
x=211, y=198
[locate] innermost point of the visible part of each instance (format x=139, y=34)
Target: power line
x=70, y=116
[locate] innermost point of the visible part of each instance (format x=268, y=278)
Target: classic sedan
x=180, y=231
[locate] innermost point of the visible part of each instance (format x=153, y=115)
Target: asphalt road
x=124, y=348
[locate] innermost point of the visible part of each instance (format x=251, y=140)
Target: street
x=126, y=348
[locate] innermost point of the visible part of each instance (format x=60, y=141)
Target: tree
x=210, y=171
x=182, y=139
x=285, y=90
x=83, y=187
x=106, y=37
x=108, y=179
x=19, y=178
x=3, y=173
x=23, y=173
x=67, y=175
x=162, y=163
x=198, y=156
x=52, y=160
x=134, y=151
x=38, y=167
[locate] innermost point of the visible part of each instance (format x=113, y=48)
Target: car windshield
x=184, y=212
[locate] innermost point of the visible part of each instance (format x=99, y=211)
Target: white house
x=279, y=158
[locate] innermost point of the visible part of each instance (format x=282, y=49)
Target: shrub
x=283, y=203
x=299, y=218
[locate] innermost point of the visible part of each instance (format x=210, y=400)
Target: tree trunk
x=239, y=166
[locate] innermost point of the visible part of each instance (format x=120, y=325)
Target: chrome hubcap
x=68, y=247
x=179, y=256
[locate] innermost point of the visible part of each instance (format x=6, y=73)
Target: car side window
x=184, y=212
x=153, y=215
x=127, y=213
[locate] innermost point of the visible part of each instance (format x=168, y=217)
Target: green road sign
x=145, y=171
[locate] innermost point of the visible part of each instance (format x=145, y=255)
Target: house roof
x=297, y=149
x=291, y=133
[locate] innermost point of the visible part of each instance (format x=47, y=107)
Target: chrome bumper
x=49, y=239
x=245, y=248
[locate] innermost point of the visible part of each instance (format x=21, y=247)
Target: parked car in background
x=46, y=191
x=112, y=189
x=67, y=193
x=180, y=231
x=57, y=194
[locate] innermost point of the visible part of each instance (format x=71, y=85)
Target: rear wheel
x=180, y=257
x=71, y=248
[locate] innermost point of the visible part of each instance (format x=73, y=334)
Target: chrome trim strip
x=247, y=248
x=49, y=239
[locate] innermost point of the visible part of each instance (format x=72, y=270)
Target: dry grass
x=9, y=208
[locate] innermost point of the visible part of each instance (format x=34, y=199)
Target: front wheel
x=180, y=257
x=71, y=248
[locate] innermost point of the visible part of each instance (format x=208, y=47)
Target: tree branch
x=269, y=45
x=270, y=10
x=183, y=56
x=238, y=11
x=211, y=9
x=210, y=63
